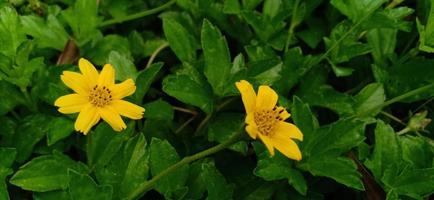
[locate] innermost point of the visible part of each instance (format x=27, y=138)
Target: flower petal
x=112, y=117
x=267, y=98
x=123, y=89
x=268, y=143
x=71, y=103
x=76, y=82
x=284, y=114
x=107, y=76
x=287, y=147
x=248, y=95
x=71, y=109
x=252, y=130
x=71, y=100
x=88, y=71
x=87, y=118
x=128, y=109
x=288, y=130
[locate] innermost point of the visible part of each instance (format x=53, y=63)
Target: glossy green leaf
x=159, y=110
x=368, y=101
x=83, y=20
x=11, y=32
x=48, y=33
x=46, y=173
x=82, y=186
x=162, y=156
x=124, y=67
x=58, y=129
x=188, y=91
x=145, y=79
x=356, y=10
x=426, y=32
x=226, y=125
x=217, y=57
x=181, y=41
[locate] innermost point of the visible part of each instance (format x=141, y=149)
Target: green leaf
x=342, y=170
x=99, y=52
x=10, y=97
x=226, y=125
x=383, y=42
x=46, y=173
x=314, y=91
x=217, y=57
x=159, y=110
x=426, y=32
x=145, y=79
x=7, y=157
x=30, y=131
x=183, y=88
x=415, y=183
x=181, y=41
x=305, y=120
x=356, y=10
x=83, y=20
x=47, y=34
x=104, y=143
x=11, y=33
x=4, y=172
x=417, y=151
x=385, y=159
x=162, y=156
x=369, y=100
x=232, y=7
x=52, y=195
x=279, y=167
x=215, y=182
x=59, y=128
x=397, y=81
x=82, y=186
x=205, y=179
x=124, y=67
x=127, y=169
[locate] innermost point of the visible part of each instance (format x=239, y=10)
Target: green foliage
x=354, y=75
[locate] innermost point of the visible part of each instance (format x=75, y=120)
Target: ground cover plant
x=216, y=99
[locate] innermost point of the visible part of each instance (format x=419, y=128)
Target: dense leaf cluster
x=353, y=74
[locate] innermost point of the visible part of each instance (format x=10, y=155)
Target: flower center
x=100, y=96
x=266, y=120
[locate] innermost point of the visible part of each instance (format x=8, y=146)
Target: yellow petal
x=76, y=82
x=268, y=143
x=287, y=147
x=112, y=117
x=252, y=130
x=123, y=89
x=87, y=118
x=288, y=130
x=107, y=76
x=71, y=109
x=71, y=100
x=88, y=70
x=284, y=114
x=267, y=98
x=128, y=109
x=71, y=103
x=248, y=95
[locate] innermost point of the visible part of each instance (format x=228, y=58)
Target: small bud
x=418, y=122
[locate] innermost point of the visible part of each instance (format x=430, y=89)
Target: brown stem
x=69, y=55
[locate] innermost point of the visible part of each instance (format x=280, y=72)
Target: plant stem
x=137, y=15
x=406, y=95
x=186, y=160
x=292, y=25
x=155, y=53
x=401, y=97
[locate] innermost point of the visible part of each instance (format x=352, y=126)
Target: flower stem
x=186, y=160
x=293, y=24
x=137, y=15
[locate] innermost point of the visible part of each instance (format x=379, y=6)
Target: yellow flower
x=97, y=96
x=267, y=121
